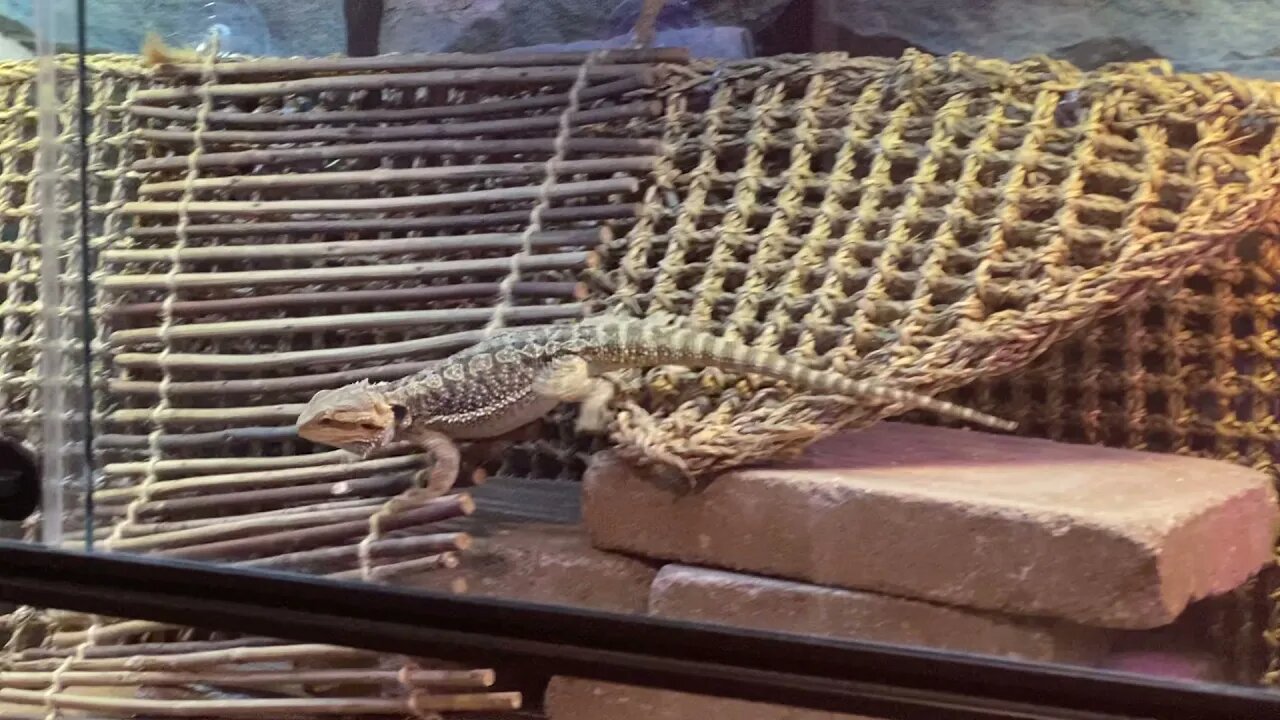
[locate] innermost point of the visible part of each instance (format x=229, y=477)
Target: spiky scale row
x=489, y=375
x=668, y=346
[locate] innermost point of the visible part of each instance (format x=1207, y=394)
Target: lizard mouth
x=364, y=445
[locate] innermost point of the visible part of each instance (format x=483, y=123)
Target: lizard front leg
x=439, y=478
x=569, y=379
x=445, y=459
x=433, y=481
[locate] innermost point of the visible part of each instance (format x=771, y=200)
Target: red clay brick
x=578, y=699
x=1093, y=535
x=691, y=593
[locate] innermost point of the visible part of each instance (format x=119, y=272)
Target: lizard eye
x=400, y=413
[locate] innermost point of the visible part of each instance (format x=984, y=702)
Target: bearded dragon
x=519, y=375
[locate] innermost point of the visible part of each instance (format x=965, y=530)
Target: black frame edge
x=837, y=676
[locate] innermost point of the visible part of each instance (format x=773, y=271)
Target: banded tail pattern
x=621, y=344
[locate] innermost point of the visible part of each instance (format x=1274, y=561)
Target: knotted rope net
x=922, y=221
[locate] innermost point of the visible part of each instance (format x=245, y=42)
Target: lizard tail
x=690, y=347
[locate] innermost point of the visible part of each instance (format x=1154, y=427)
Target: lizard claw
x=592, y=420
x=674, y=480
x=432, y=484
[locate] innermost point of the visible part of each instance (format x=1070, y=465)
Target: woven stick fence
x=56, y=663
x=473, y=189
x=353, y=254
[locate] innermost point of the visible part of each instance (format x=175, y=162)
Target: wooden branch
x=179, y=441
x=393, y=296
x=444, y=508
x=410, y=148
x=70, y=619
x=145, y=649
x=448, y=342
x=382, y=177
x=247, y=652
x=295, y=383
x=380, y=550
x=378, y=486
x=202, y=465
x=587, y=238
x=354, y=273
x=434, y=112
x=382, y=81
x=272, y=707
x=388, y=204
x=136, y=536
x=446, y=561
x=646, y=23
x=420, y=131
x=257, y=479
x=350, y=321
x=285, y=516
x=105, y=633
x=233, y=528
x=136, y=530
x=423, y=61
x=431, y=346
x=195, y=416
x=254, y=678
x=621, y=211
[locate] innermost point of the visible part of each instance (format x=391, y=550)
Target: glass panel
x=297, y=214
x=41, y=358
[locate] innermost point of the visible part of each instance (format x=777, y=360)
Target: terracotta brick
x=691, y=593
x=549, y=563
x=578, y=699
x=1098, y=536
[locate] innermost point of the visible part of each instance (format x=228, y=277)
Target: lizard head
x=355, y=417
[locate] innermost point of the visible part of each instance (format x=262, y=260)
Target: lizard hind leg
x=566, y=379
x=569, y=379
x=594, y=414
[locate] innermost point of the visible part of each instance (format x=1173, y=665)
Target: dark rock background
x=1238, y=36
x=1196, y=35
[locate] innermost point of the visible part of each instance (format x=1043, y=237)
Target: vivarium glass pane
x=944, y=326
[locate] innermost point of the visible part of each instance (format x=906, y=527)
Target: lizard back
x=496, y=376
